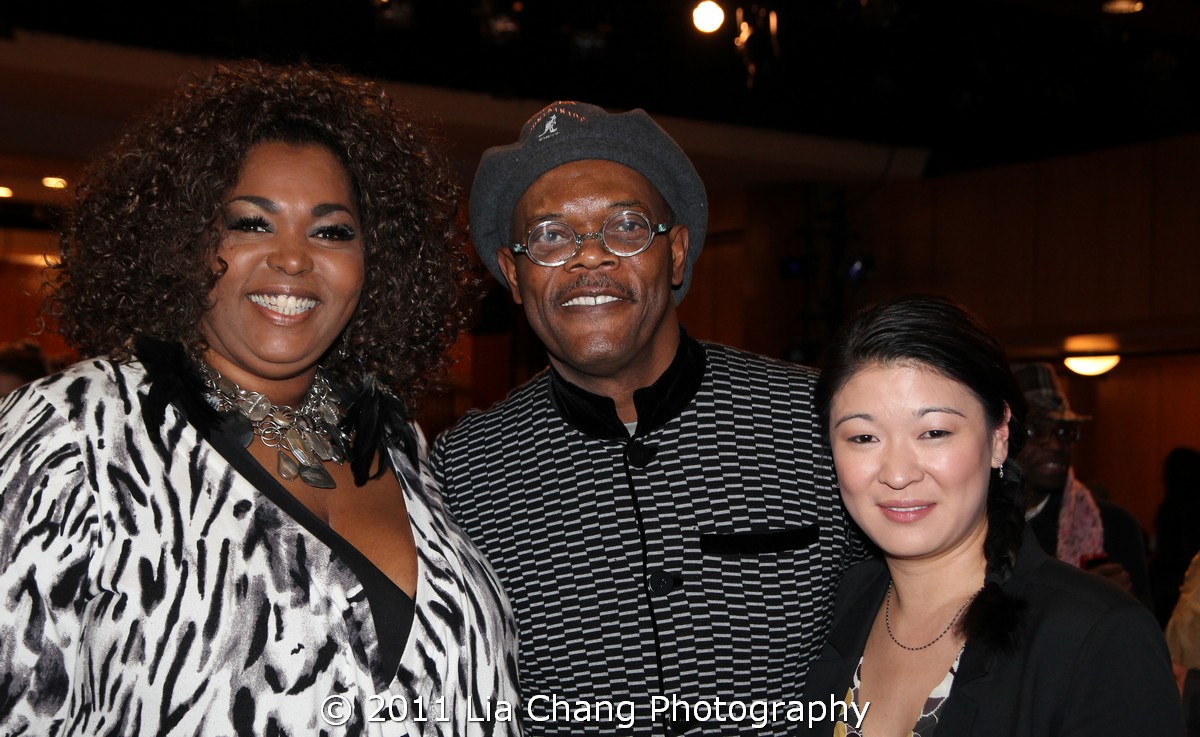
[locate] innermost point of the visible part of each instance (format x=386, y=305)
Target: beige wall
x=1100, y=242
x=1103, y=242
x=1141, y=410
x=21, y=280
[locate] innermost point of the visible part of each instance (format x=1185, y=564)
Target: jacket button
x=638, y=454
x=680, y=726
x=662, y=582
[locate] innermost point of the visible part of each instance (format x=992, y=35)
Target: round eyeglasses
x=1064, y=432
x=626, y=233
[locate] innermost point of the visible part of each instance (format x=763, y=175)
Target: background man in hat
x=660, y=510
x=1064, y=515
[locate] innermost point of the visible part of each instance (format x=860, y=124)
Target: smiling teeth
x=907, y=509
x=590, y=301
x=283, y=304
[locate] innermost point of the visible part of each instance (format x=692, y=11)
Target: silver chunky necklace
x=887, y=620
x=305, y=436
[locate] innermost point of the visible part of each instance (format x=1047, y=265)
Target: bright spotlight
x=708, y=16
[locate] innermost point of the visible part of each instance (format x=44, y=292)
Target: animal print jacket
x=149, y=588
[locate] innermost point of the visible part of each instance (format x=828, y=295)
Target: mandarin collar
x=657, y=404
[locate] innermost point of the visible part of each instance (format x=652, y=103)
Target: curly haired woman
x=224, y=523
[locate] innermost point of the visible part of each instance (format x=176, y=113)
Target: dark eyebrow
x=320, y=211
x=855, y=416
x=325, y=208
x=260, y=202
x=544, y=217
x=630, y=205
x=920, y=413
x=558, y=217
x=930, y=410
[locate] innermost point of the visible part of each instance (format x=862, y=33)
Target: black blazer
x=1090, y=661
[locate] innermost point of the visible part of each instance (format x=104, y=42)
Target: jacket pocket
x=758, y=543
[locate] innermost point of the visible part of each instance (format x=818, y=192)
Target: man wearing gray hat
x=660, y=510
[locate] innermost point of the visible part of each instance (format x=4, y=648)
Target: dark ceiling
x=977, y=82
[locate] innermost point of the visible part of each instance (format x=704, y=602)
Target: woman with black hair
x=962, y=625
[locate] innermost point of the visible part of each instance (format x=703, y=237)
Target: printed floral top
x=926, y=723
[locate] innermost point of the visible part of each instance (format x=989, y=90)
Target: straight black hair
x=940, y=335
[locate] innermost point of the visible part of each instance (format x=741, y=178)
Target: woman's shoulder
x=1092, y=649
x=1074, y=609
x=89, y=380
x=74, y=391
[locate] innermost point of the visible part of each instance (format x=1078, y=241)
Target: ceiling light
x=6, y=192
x=54, y=182
x=708, y=16
x=1122, y=7
x=1091, y=365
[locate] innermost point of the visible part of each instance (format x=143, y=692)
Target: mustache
x=595, y=281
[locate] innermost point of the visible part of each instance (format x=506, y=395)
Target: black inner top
x=391, y=608
x=656, y=404
x=175, y=381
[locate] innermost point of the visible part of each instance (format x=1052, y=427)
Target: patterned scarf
x=1080, y=532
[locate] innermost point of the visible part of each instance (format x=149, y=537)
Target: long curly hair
x=138, y=242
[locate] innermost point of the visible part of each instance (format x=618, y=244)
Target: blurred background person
x=21, y=362
x=1176, y=528
x=1067, y=520
x=1183, y=626
x=1183, y=640
x=224, y=518
x=964, y=625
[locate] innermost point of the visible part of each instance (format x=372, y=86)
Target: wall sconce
x=1091, y=365
x=1122, y=7
x=1093, y=354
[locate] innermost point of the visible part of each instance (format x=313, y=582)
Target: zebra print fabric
x=149, y=589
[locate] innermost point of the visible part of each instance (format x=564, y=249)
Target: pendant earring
x=343, y=350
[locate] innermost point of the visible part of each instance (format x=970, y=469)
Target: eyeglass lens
x=625, y=234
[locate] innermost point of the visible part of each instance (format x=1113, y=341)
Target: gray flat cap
x=564, y=132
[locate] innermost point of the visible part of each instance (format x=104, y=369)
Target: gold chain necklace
x=305, y=436
x=887, y=620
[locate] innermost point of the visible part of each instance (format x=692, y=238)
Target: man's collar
x=657, y=404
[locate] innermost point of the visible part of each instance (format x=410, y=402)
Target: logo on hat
x=550, y=129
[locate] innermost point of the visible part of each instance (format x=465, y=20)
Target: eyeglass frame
x=655, y=231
